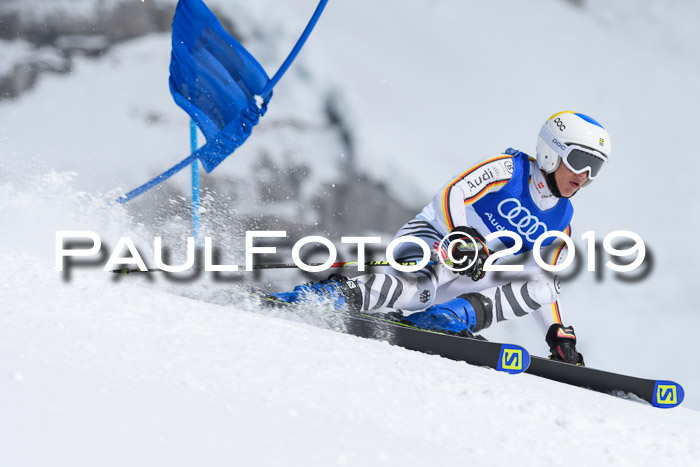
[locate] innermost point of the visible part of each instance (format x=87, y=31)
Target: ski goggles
x=576, y=158
x=579, y=159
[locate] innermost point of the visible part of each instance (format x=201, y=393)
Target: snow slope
x=111, y=370
x=99, y=370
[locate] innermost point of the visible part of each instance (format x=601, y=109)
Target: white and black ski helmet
x=563, y=134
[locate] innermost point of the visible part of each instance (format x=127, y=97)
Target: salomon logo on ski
x=667, y=394
x=513, y=359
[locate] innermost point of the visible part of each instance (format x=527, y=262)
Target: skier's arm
x=468, y=187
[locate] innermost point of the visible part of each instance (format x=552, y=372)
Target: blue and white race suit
x=504, y=192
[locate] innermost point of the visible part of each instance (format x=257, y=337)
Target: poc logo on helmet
x=560, y=124
x=561, y=146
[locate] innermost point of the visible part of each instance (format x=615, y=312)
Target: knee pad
x=544, y=289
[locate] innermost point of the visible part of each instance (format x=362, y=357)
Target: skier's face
x=569, y=182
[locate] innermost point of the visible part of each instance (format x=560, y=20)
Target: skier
x=510, y=191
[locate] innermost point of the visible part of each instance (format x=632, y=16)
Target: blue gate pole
x=297, y=47
x=195, y=185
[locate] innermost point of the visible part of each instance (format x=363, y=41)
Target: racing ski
x=659, y=393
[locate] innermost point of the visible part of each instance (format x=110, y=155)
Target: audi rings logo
x=521, y=218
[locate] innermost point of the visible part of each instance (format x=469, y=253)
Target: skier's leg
x=475, y=309
x=409, y=291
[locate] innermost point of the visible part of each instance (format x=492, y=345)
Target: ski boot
x=337, y=291
x=463, y=316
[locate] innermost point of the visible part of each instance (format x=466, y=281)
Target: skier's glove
x=562, y=344
x=463, y=241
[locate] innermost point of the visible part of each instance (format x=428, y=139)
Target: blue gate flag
x=218, y=83
x=215, y=80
